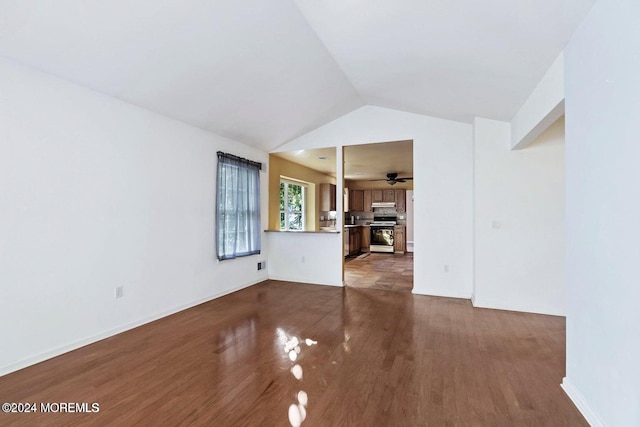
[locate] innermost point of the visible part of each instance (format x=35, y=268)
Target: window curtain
x=237, y=207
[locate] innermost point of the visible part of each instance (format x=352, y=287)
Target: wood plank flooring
x=381, y=359
x=391, y=272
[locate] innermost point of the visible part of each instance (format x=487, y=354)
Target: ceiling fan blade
x=392, y=177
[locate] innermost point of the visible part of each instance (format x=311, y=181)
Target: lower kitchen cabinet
x=355, y=235
x=399, y=240
x=365, y=239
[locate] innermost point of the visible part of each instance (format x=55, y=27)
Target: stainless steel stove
x=382, y=233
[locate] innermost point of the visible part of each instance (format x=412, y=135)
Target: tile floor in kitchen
x=392, y=272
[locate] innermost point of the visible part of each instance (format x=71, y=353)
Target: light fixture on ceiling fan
x=392, y=178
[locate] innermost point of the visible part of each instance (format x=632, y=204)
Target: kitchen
x=378, y=218
x=378, y=200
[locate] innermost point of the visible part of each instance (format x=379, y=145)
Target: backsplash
x=327, y=218
x=362, y=218
x=365, y=218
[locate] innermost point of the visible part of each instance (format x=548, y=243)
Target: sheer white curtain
x=237, y=207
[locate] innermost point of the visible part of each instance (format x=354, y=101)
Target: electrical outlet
x=119, y=292
x=262, y=265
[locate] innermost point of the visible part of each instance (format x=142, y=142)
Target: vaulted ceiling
x=266, y=71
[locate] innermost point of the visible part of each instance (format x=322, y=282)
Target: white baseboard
x=581, y=403
x=440, y=293
x=500, y=305
x=24, y=363
x=299, y=280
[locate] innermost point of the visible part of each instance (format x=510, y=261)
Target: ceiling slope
x=252, y=70
x=449, y=59
x=266, y=71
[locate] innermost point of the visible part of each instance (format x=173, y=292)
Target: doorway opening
x=378, y=205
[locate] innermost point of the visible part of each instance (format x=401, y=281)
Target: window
x=292, y=197
x=237, y=207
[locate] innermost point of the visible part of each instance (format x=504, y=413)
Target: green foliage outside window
x=291, y=206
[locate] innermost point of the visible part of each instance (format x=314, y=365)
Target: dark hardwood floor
x=381, y=359
x=387, y=271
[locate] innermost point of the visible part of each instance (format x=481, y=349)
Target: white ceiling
x=363, y=162
x=322, y=160
x=266, y=71
x=374, y=161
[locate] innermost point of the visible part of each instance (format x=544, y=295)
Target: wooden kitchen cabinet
x=355, y=234
x=376, y=196
x=367, y=201
x=356, y=201
x=401, y=200
x=388, y=195
x=327, y=197
x=399, y=240
x=365, y=239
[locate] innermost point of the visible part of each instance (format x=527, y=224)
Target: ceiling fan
x=392, y=178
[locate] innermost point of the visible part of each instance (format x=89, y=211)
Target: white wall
x=304, y=257
x=544, y=106
x=519, y=220
x=410, y=220
x=97, y=193
x=602, y=65
x=442, y=156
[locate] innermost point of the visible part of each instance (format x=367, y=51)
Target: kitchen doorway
x=378, y=201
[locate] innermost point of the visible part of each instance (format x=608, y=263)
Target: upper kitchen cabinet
x=367, y=201
x=401, y=200
x=356, y=201
x=388, y=195
x=361, y=200
x=327, y=197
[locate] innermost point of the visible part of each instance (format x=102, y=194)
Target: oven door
x=381, y=238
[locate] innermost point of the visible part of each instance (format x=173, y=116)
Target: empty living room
x=151, y=271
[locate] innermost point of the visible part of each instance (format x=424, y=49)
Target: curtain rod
x=231, y=156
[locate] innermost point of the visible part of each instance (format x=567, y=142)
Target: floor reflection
x=292, y=347
x=317, y=349
x=363, y=308
x=237, y=342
